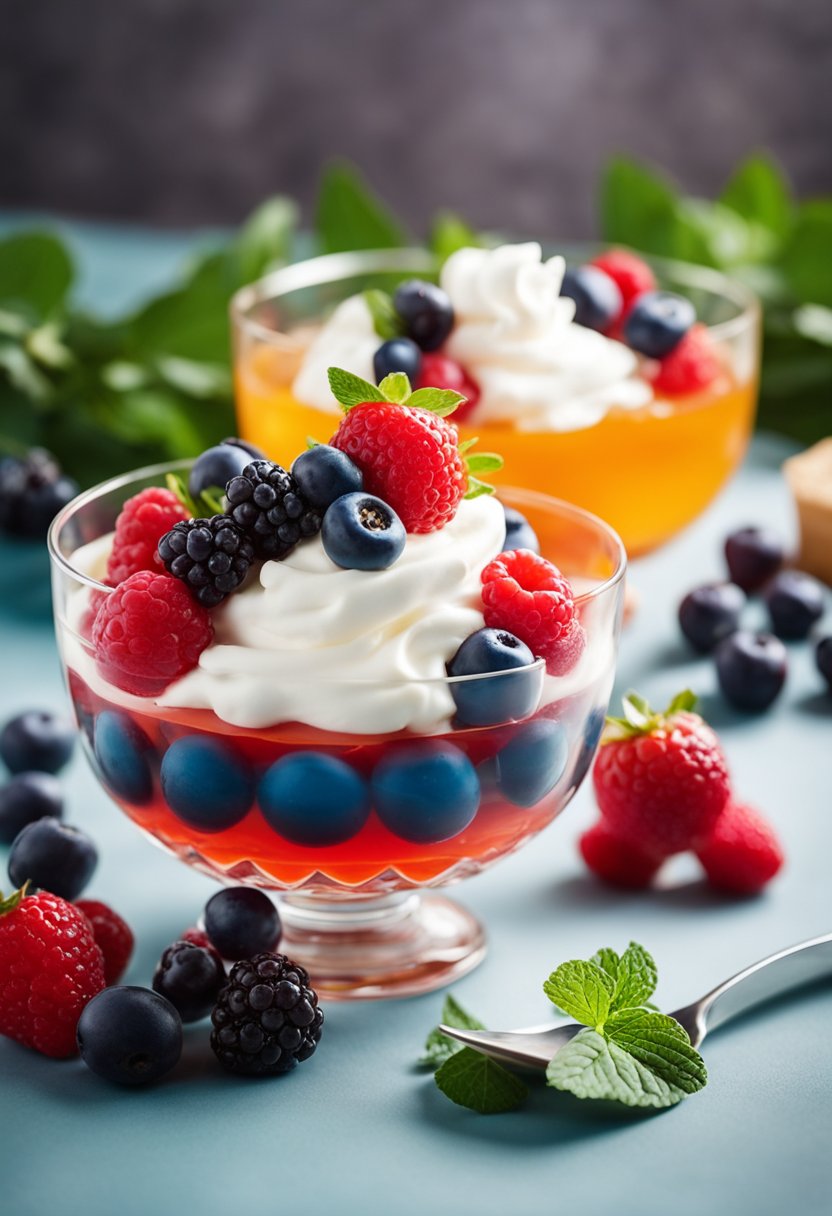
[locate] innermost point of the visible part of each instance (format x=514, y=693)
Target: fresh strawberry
x=616, y=861
x=148, y=632
x=114, y=936
x=742, y=853
x=50, y=967
x=528, y=596
x=690, y=366
x=661, y=780
x=631, y=275
x=143, y=521
x=438, y=371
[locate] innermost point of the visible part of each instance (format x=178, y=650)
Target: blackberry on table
x=212, y=556
x=266, y=1019
x=32, y=491
x=266, y=502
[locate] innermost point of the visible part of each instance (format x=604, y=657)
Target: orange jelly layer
x=647, y=472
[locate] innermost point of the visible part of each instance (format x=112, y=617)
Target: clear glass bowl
x=648, y=471
x=403, y=811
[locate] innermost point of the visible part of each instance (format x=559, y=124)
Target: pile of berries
x=752, y=666
x=662, y=787
x=32, y=491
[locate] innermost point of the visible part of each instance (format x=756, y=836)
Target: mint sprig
x=208, y=503
x=466, y=1076
x=386, y=321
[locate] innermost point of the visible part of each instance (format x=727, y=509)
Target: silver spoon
x=771, y=977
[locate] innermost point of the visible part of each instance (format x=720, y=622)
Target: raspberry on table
x=50, y=967
x=742, y=853
x=439, y=371
x=630, y=273
x=266, y=503
x=113, y=935
x=210, y=556
x=619, y=862
x=143, y=521
x=526, y=595
x=692, y=365
x=148, y=632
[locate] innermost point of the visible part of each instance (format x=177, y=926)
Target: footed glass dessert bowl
x=353, y=795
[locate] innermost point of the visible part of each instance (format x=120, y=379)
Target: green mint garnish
x=350, y=390
x=640, y=719
x=473, y=1080
x=438, y=1046
x=208, y=503
x=386, y=321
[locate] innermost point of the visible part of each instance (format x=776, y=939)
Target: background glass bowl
x=427, y=810
x=649, y=472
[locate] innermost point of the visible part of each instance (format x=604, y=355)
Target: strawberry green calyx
x=640, y=719
x=14, y=900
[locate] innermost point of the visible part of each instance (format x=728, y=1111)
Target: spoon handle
x=770, y=977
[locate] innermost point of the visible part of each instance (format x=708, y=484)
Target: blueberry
x=241, y=922
x=426, y=311
x=589, y=744
x=32, y=491
x=37, y=741
x=426, y=793
x=708, y=614
x=531, y=764
x=598, y=301
x=254, y=452
x=823, y=659
x=215, y=467
x=360, y=532
x=794, y=601
x=397, y=355
x=751, y=669
x=754, y=555
x=205, y=784
x=519, y=532
x=324, y=474
x=314, y=799
x=487, y=701
x=51, y=855
x=27, y=797
x=190, y=977
x=130, y=1035
x=124, y=753
x=656, y=323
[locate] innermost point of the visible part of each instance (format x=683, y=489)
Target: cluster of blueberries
x=654, y=324
x=751, y=666
x=424, y=314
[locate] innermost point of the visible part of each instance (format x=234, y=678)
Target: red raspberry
x=148, y=632
x=617, y=861
x=631, y=275
x=690, y=366
x=50, y=967
x=114, y=936
x=409, y=458
x=143, y=521
x=438, y=371
x=529, y=597
x=742, y=853
x=661, y=780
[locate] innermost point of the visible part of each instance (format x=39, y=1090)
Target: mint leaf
x=438, y=1046
x=395, y=387
x=479, y=1083
x=477, y=488
x=36, y=270
x=658, y=1043
x=442, y=401
x=351, y=216
x=265, y=239
x=484, y=462
x=635, y=979
x=582, y=990
x=591, y=1066
x=386, y=321
x=351, y=390
x=607, y=959
x=449, y=233
x=758, y=192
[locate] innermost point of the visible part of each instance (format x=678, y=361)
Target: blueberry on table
x=314, y=799
x=37, y=741
x=519, y=532
x=656, y=323
x=205, y=784
x=26, y=798
x=426, y=312
x=425, y=793
x=215, y=467
x=823, y=659
x=54, y=856
x=324, y=473
x=531, y=764
x=710, y=613
x=795, y=601
x=241, y=921
x=32, y=492
x=129, y=1035
x=751, y=669
x=501, y=698
x=754, y=555
x=123, y=752
x=360, y=532
x=598, y=301
x=190, y=977
x=397, y=355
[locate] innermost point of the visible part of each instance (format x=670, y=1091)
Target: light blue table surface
x=359, y=1129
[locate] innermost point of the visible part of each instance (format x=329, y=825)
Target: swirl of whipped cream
x=348, y=340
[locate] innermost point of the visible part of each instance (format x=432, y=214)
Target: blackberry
x=32, y=491
x=212, y=556
x=266, y=502
x=266, y=1019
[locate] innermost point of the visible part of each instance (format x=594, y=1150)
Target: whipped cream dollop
x=515, y=335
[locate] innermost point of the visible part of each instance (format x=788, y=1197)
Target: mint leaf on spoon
x=479, y=1083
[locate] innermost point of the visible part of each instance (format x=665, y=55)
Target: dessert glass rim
x=64, y=564
x=333, y=267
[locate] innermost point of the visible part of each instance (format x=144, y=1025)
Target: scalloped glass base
x=396, y=945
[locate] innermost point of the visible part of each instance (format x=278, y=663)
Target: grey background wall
x=190, y=111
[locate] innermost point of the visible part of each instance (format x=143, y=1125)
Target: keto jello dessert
x=352, y=678
x=594, y=382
